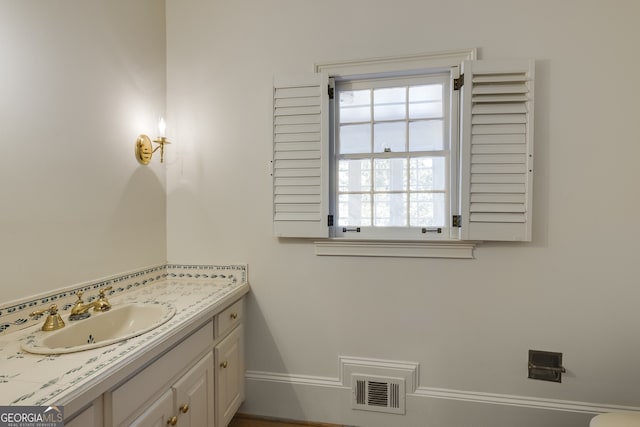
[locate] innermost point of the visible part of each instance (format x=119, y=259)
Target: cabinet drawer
x=133, y=394
x=229, y=318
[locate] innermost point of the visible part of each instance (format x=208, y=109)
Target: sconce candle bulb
x=162, y=126
x=144, y=150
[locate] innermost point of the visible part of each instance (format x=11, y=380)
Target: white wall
x=469, y=323
x=79, y=80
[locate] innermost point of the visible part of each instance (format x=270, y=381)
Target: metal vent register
x=379, y=394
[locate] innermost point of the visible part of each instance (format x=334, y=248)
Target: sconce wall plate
x=143, y=149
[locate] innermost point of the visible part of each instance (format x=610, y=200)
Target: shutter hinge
x=330, y=221
x=456, y=221
x=458, y=83
x=331, y=92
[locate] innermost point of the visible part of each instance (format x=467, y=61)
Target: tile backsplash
x=15, y=315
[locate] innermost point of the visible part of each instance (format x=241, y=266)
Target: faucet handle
x=79, y=295
x=101, y=291
x=102, y=304
x=53, y=310
x=53, y=321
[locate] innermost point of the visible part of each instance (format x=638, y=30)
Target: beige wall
x=469, y=323
x=79, y=80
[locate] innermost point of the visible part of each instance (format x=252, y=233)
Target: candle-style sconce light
x=144, y=149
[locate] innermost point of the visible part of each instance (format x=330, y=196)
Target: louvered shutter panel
x=301, y=156
x=497, y=150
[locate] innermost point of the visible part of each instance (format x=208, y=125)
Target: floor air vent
x=380, y=394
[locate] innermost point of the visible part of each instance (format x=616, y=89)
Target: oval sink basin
x=118, y=324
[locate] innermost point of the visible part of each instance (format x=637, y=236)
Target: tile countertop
x=76, y=379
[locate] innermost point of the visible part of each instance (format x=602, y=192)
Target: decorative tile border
x=16, y=316
x=233, y=272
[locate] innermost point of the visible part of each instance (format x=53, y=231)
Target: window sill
x=449, y=249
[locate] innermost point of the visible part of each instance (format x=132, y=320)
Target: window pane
x=390, y=174
x=354, y=210
x=389, y=137
x=427, y=174
x=426, y=135
x=426, y=210
x=390, y=210
x=425, y=101
x=355, y=139
x=355, y=106
x=389, y=104
x=354, y=175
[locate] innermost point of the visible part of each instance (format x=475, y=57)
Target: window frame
x=403, y=243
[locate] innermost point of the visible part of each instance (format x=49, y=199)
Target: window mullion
x=407, y=157
x=372, y=183
x=390, y=155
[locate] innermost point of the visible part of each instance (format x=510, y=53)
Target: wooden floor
x=241, y=420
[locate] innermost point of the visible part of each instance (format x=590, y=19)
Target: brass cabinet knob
x=234, y=316
x=172, y=421
x=184, y=408
x=223, y=364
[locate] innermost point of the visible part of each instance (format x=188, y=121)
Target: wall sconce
x=144, y=150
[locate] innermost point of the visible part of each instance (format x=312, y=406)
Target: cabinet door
x=194, y=395
x=229, y=376
x=92, y=416
x=158, y=414
x=136, y=394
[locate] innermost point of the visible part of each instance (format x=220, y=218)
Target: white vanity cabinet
x=229, y=352
x=91, y=416
x=158, y=414
x=230, y=377
x=186, y=403
x=194, y=393
x=199, y=382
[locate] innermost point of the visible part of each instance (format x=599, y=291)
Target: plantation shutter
x=497, y=150
x=301, y=156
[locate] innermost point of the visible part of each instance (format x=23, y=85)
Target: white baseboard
x=293, y=379
x=449, y=394
x=521, y=401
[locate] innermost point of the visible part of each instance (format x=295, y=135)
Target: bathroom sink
x=118, y=324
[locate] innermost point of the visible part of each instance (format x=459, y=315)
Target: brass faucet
x=80, y=310
x=53, y=321
x=102, y=304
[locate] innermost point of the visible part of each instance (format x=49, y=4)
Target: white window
x=391, y=153
x=401, y=153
